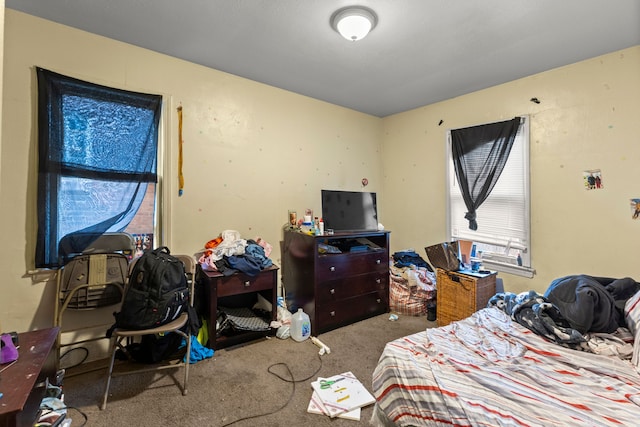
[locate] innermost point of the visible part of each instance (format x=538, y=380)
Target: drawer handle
x=332, y=314
x=377, y=261
x=332, y=291
x=378, y=300
x=378, y=280
x=332, y=268
x=247, y=284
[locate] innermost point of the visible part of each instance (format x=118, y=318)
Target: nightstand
x=459, y=295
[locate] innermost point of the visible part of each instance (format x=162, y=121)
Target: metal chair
x=120, y=337
x=89, y=281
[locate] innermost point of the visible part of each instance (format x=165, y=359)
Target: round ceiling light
x=354, y=22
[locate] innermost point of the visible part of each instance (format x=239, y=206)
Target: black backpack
x=157, y=291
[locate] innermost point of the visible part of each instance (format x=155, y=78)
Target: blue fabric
x=535, y=312
x=246, y=264
x=198, y=351
x=257, y=251
x=409, y=258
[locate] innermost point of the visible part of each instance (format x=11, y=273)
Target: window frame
x=524, y=270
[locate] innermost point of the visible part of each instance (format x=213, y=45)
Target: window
x=503, y=235
x=97, y=149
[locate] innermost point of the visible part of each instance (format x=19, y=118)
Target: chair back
x=190, y=268
x=75, y=244
x=94, y=280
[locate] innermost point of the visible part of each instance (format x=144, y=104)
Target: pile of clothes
x=229, y=253
x=412, y=289
x=578, y=311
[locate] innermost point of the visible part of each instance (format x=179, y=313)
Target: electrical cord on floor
x=293, y=389
x=81, y=413
x=86, y=355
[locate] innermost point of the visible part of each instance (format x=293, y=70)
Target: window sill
x=508, y=268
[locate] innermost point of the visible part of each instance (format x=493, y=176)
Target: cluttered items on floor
x=339, y=396
x=412, y=285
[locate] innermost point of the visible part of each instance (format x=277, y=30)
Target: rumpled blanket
x=536, y=313
x=591, y=304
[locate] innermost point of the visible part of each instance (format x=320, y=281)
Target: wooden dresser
x=336, y=289
x=460, y=295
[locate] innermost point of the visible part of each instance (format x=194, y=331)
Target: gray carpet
x=236, y=383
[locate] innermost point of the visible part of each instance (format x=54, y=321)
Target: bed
x=489, y=370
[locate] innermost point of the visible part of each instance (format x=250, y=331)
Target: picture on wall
x=635, y=208
x=592, y=179
x=144, y=242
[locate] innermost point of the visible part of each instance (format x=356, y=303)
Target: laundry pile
x=412, y=283
x=229, y=253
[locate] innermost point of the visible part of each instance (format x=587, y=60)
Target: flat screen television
x=349, y=210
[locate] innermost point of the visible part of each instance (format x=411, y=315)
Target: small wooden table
x=239, y=289
x=22, y=383
x=461, y=294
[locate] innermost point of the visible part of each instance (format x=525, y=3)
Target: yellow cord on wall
x=180, y=175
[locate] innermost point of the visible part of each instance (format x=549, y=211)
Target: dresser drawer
x=241, y=283
x=331, y=267
x=337, y=313
x=351, y=286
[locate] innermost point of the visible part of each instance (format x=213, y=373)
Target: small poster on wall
x=635, y=208
x=592, y=179
x=144, y=242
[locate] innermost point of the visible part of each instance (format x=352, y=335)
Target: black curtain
x=479, y=156
x=97, y=147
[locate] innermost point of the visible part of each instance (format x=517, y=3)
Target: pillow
x=632, y=313
x=632, y=319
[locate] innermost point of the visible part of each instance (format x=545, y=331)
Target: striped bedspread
x=487, y=370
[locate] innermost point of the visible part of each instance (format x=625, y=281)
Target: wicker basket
x=460, y=295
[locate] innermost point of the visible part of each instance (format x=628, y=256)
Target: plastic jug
x=300, y=326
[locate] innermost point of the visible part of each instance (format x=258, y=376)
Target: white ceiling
x=421, y=52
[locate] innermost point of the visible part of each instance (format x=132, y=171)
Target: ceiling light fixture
x=354, y=22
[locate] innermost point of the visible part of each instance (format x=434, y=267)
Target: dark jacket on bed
x=592, y=304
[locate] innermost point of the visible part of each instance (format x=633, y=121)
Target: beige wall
x=252, y=152
x=588, y=118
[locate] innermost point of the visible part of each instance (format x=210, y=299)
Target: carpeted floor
x=246, y=385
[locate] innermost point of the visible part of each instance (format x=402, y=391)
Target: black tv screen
x=349, y=210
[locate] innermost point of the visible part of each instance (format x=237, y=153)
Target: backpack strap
x=162, y=249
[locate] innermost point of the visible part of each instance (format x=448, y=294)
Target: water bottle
x=300, y=326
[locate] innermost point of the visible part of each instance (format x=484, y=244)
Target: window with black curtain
x=503, y=233
x=97, y=154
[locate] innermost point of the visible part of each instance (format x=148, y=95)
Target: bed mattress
x=488, y=370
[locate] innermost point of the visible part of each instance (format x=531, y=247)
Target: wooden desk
x=22, y=383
